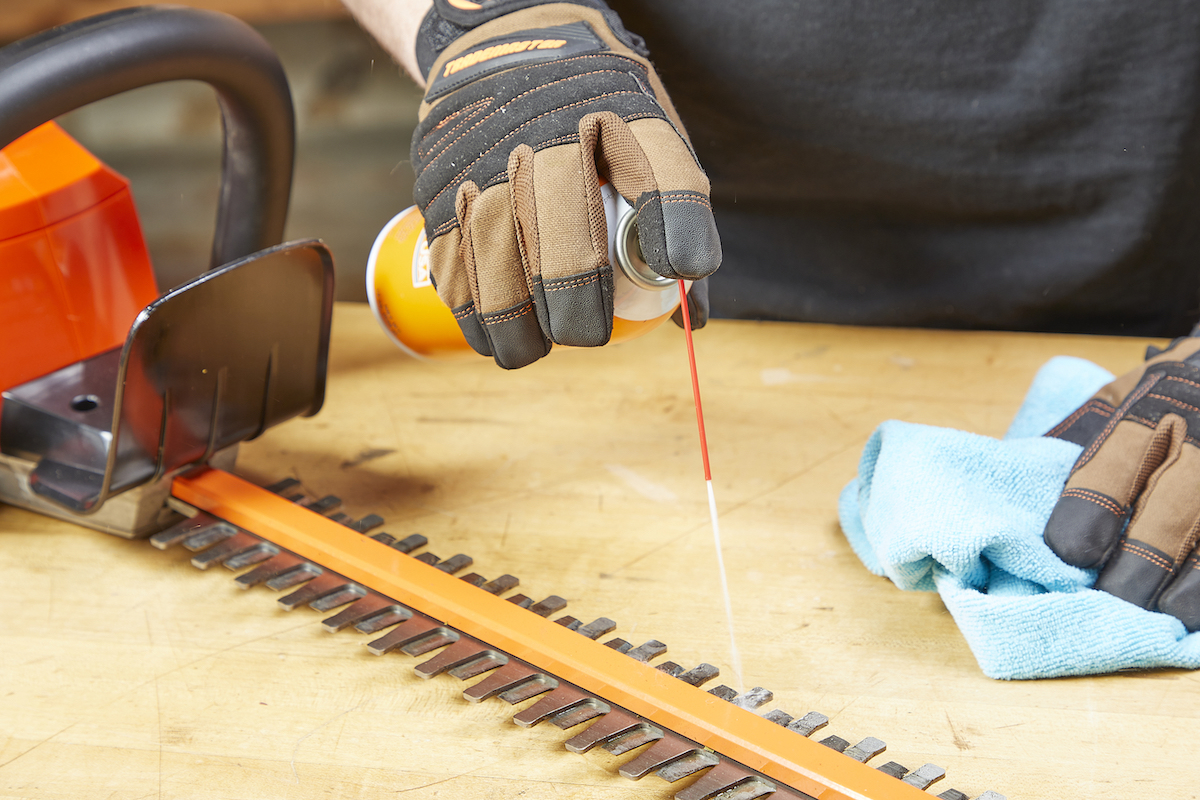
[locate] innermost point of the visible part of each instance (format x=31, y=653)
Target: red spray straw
x=687, y=329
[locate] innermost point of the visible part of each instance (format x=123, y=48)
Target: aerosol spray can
x=414, y=317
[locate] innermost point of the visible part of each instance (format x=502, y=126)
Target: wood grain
x=126, y=673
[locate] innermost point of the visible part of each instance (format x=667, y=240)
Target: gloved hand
x=528, y=104
x=1131, y=506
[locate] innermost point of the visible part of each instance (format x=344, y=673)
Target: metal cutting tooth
x=175, y=534
x=808, y=724
x=724, y=692
x=368, y=606
x=208, y=536
x=580, y=714
x=754, y=699
x=366, y=523
x=620, y=645
x=282, y=486
x=255, y=554
x=551, y=605
x=647, y=650
x=953, y=794
x=268, y=570
x=778, y=717
x=408, y=632
x=326, y=504
x=340, y=516
x=867, y=749
x=301, y=573
x=501, y=585
x=320, y=588
x=690, y=764
x=596, y=628
x=383, y=537
x=990, y=795
x=346, y=593
x=894, y=769
x=924, y=776
x=567, y=621
x=699, y=674
x=540, y=684
x=383, y=619
x=728, y=780
x=464, y=659
x=410, y=543
x=614, y=725
x=509, y=676
x=455, y=563
x=475, y=579
x=666, y=750
x=222, y=550
x=671, y=668
x=428, y=558
x=558, y=701
x=835, y=743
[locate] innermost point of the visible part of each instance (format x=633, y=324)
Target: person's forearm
x=394, y=24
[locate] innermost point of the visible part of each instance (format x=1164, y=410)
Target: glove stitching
x=1099, y=406
x=499, y=109
x=1102, y=437
x=1105, y=502
x=574, y=282
x=467, y=311
x=489, y=319
x=1173, y=401
x=1153, y=558
x=461, y=115
x=690, y=200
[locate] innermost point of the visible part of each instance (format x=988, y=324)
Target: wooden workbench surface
x=126, y=673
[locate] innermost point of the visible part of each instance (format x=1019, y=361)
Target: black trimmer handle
x=57, y=71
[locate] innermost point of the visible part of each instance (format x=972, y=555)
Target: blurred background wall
x=355, y=114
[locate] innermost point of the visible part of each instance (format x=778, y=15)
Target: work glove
x=529, y=104
x=1131, y=506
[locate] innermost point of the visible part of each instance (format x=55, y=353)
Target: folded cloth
x=963, y=514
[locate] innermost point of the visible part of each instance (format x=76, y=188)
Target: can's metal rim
x=372, y=259
x=629, y=255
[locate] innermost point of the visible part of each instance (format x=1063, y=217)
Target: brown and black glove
x=1131, y=506
x=529, y=104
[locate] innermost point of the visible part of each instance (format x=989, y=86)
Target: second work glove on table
x=529, y=104
x=1131, y=506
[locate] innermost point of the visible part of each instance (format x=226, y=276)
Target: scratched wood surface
x=126, y=673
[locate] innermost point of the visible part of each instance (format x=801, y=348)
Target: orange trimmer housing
x=74, y=269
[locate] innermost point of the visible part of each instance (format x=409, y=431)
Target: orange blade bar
x=687, y=710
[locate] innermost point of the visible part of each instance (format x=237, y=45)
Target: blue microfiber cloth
x=963, y=514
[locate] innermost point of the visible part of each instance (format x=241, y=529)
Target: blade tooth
x=648, y=650
x=326, y=504
x=690, y=764
x=501, y=584
x=223, y=550
x=671, y=668
x=613, y=724
x=461, y=652
x=551, y=605
x=808, y=724
x=383, y=537
x=299, y=574
x=371, y=604
x=208, y=536
x=410, y=543
x=580, y=714
x=669, y=748
x=366, y=523
x=383, y=619
x=893, y=769
x=455, y=563
x=340, y=516
x=597, y=628
x=564, y=698
x=539, y=685
x=620, y=645
x=867, y=749
x=268, y=570
x=416, y=627
x=835, y=743
x=475, y=579
x=318, y=587
x=700, y=674
x=169, y=537
x=778, y=717
x=487, y=662
x=990, y=795
x=520, y=600
x=754, y=699
x=296, y=497
x=428, y=558
x=730, y=781
x=427, y=644
x=256, y=554
x=509, y=676
x=568, y=622
x=346, y=593
x=643, y=734
x=924, y=776
x=724, y=692
x=953, y=794
x=283, y=485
